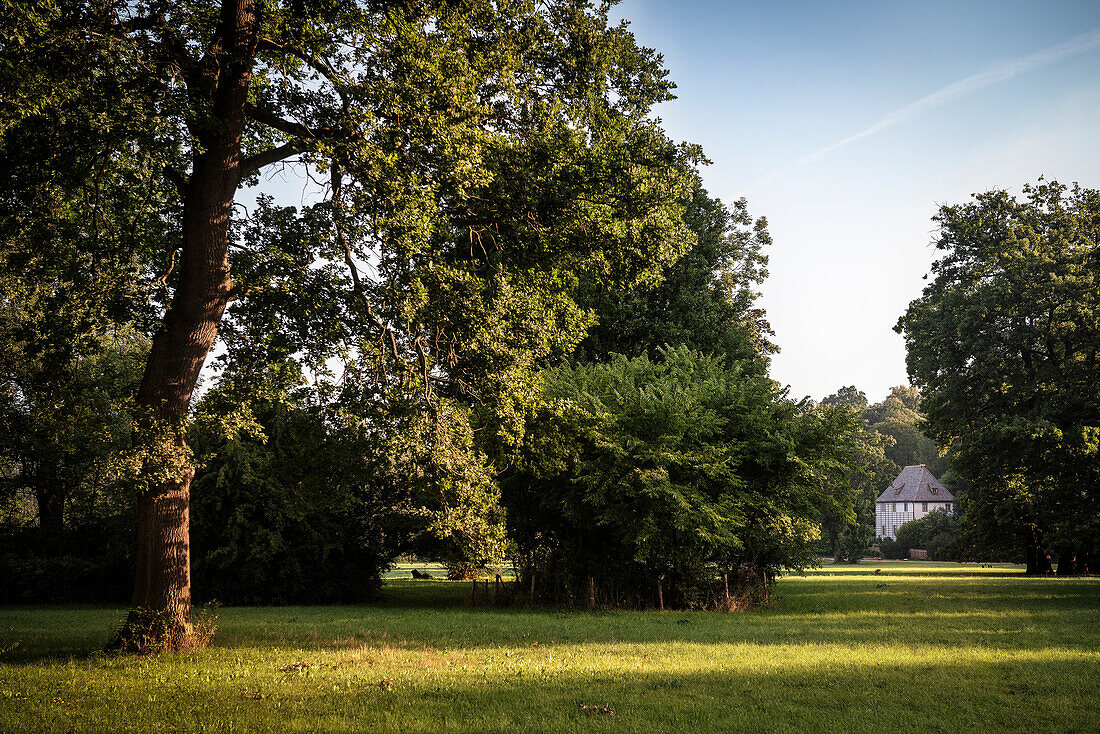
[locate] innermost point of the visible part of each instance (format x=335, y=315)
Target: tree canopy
x=705, y=300
x=1005, y=346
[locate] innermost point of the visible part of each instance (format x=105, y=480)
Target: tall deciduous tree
x=85, y=228
x=846, y=534
x=479, y=156
x=899, y=417
x=706, y=300
x=1005, y=346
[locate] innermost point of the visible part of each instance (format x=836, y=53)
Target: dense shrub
x=935, y=532
x=645, y=482
x=288, y=510
x=80, y=563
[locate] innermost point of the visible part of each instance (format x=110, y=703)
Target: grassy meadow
x=873, y=647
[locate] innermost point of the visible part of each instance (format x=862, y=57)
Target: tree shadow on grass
x=434, y=614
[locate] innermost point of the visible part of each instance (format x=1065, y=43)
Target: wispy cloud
x=1007, y=70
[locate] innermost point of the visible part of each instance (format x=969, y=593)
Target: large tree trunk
x=162, y=584
x=1067, y=563
x=1035, y=556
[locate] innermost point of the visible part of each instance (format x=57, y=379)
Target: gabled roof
x=916, y=484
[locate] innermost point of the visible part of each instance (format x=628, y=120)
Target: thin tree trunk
x=162, y=582
x=51, y=504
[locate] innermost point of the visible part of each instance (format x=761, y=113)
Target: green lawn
x=915, y=647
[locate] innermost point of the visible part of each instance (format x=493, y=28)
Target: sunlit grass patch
x=840, y=651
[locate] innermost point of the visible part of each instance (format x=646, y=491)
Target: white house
x=914, y=494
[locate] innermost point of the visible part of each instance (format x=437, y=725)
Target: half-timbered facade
x=911, y=496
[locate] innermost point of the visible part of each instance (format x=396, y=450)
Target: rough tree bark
x=1067, y=563
x=1035, y=556
x=162, y=581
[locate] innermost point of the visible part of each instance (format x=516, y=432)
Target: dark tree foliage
x=846, y=535
x=66, y=530
x=290, y=507
x=1005, y=346
x=82, y=229
x=899, y=417
x=642, y=482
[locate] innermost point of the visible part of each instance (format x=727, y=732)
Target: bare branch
x=266, y=117
x=319, y=65
x=254, y=163
x=295, y=129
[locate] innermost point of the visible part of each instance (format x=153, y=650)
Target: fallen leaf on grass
x=385, y=683
x=251, y=695
x=294, y=667
x=596, y=709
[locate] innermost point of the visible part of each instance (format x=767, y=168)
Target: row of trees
x=506, y=232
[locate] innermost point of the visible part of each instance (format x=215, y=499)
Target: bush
x=892, y=549
x=81, y=563
x=936, y=533
x=643, y=483
x=290, y=513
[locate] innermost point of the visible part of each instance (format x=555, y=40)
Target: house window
x=933, y=490
x=924, y=507
x=895, y=507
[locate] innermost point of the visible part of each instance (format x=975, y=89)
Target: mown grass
x=914, y=647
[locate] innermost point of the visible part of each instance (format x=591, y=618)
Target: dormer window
x=933, y=490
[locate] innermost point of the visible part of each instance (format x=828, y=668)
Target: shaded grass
x=925, y=647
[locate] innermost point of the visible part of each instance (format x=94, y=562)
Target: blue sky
x=768, y=88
